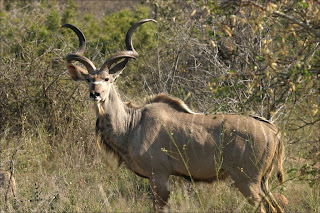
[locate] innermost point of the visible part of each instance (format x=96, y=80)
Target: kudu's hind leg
x=256, y=196
x=268, y=195
x=160, y=189
x=251, y=192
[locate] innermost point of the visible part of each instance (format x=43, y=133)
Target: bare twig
x=306, y=124
x=175, y=67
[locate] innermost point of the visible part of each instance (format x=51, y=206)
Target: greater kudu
x=165, y=137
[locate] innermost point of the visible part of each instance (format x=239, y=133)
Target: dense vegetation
x=248, y=57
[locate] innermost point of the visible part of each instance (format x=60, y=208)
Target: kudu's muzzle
x=94, y=95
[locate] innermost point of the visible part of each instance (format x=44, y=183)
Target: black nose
x=94, y=95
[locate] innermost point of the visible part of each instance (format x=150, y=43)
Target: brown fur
x=259, y=118
x=131, y=105
x=174, y=103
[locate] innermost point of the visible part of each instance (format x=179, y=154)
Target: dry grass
x=72, y=177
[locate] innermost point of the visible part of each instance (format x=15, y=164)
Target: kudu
x=165, y=137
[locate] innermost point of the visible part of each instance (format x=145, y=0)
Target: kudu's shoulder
x=172, y=102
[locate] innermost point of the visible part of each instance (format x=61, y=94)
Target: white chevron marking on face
x=97, y=82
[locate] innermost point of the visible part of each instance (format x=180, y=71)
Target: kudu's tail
x=279, y=160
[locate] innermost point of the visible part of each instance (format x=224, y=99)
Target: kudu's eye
x=107, y=79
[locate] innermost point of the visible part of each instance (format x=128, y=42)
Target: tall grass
x=71, y=176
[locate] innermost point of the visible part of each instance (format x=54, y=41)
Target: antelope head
x=100, y=80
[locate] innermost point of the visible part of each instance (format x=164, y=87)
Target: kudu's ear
x=118, y=68
x=76, y=72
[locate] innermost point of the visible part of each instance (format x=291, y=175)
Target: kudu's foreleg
x=160, y=189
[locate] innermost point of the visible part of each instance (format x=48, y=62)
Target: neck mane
x=173, y=102
x=115, y=121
